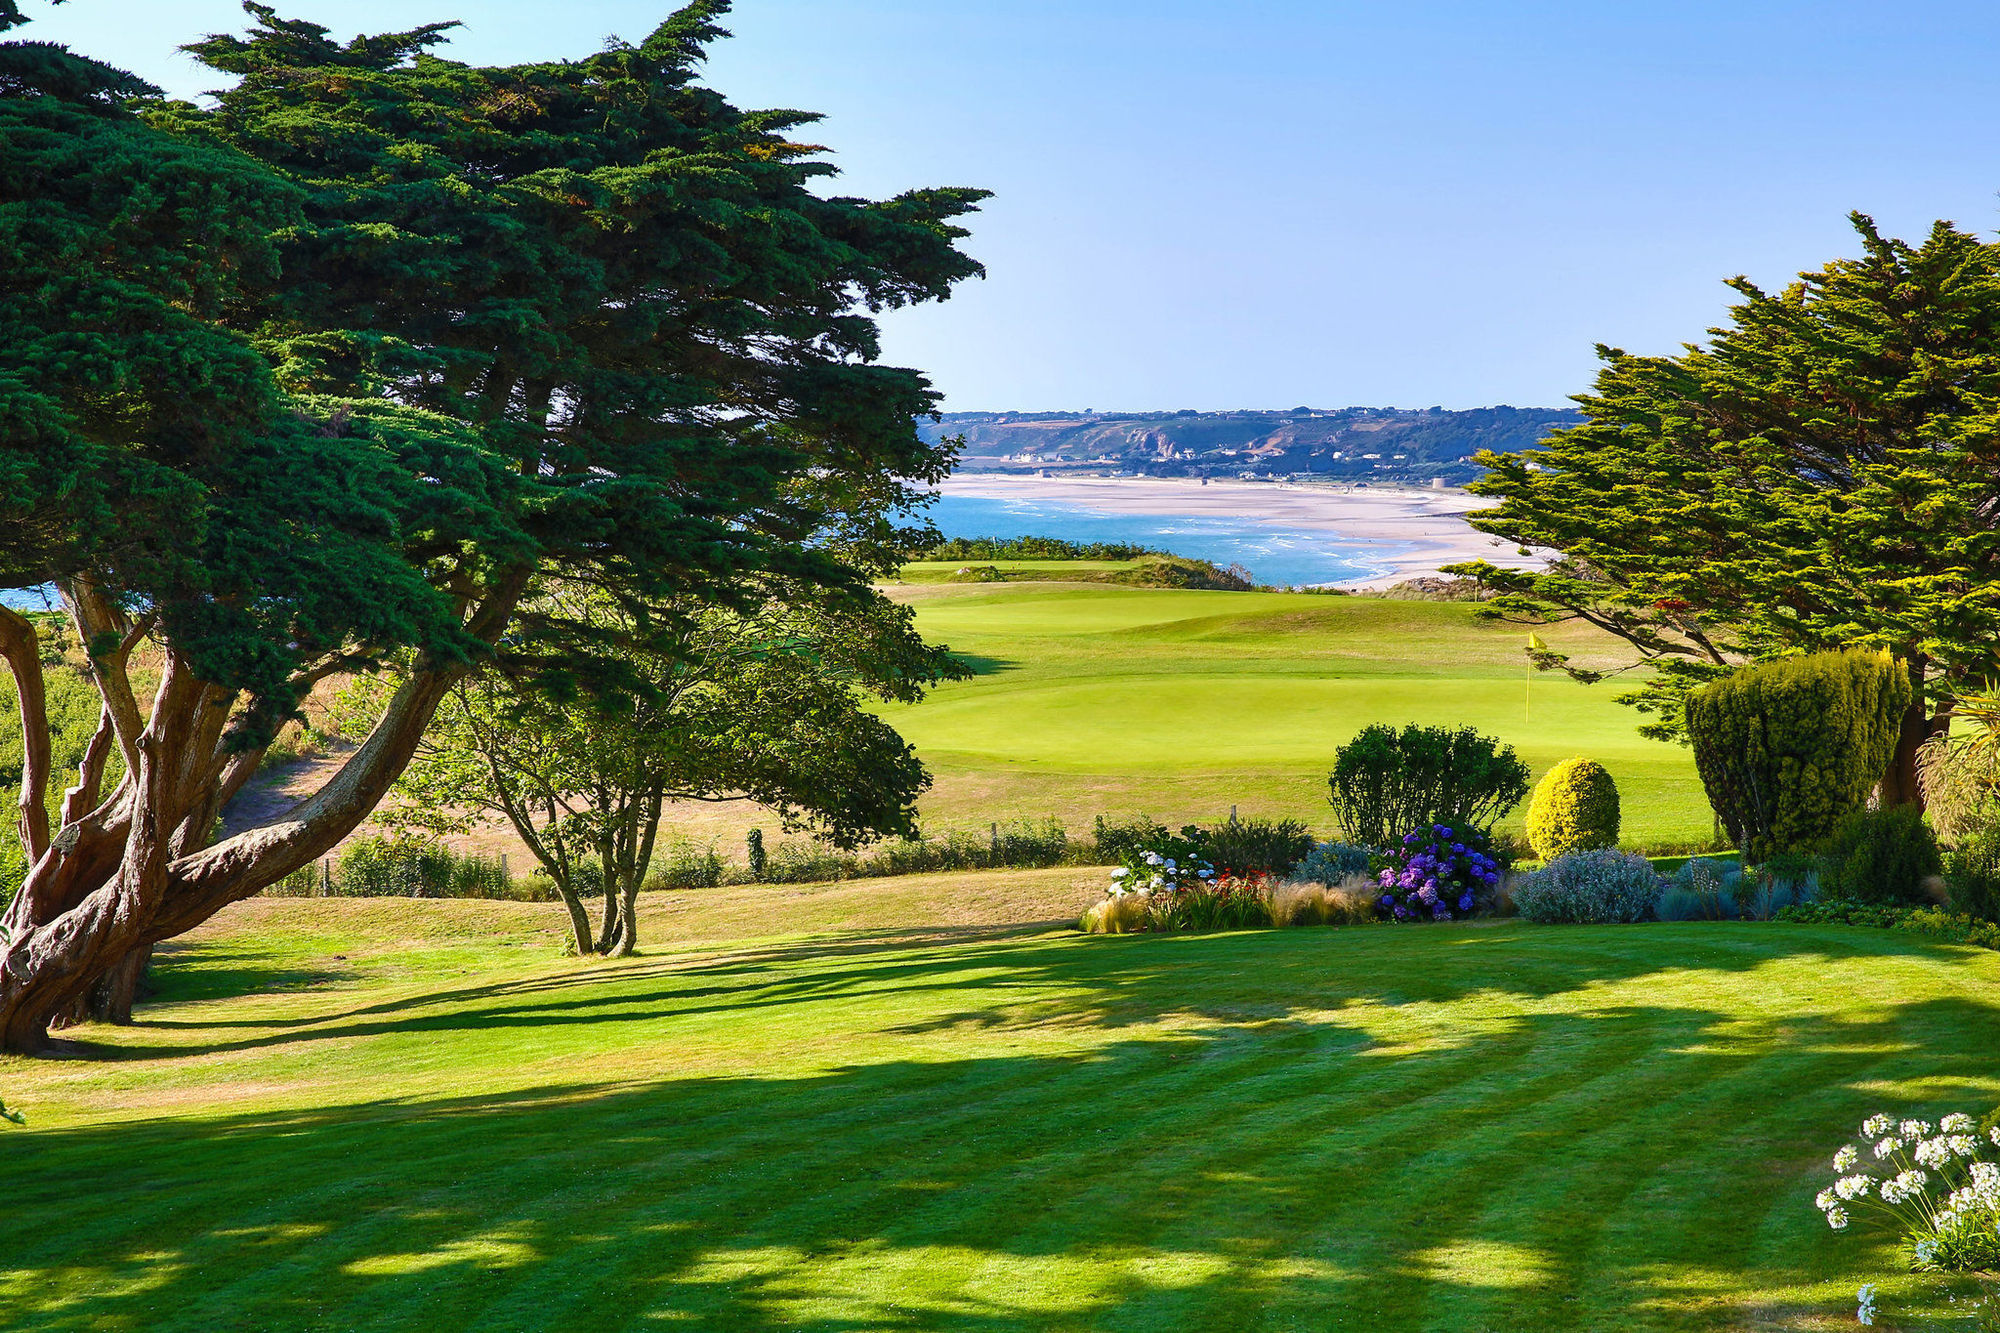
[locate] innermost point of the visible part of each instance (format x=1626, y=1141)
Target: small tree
x=1789, y=748
x=1823, y=472
x=717, y=705
x=1385, y=782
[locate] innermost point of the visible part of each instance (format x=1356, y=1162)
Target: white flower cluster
x=1932, y=1177
x=1157, y=872
x=1904, y=1187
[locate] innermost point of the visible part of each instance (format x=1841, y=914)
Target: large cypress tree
x=1823, y=473
x=584, y=317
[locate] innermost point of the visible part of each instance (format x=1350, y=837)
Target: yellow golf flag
x=1535, y=645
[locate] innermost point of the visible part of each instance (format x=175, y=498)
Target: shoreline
x=1416, y=530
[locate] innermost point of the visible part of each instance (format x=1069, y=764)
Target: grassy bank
x=908, y=1105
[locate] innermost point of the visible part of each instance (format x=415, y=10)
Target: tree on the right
x=1823, y=472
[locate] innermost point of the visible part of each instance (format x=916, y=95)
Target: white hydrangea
x=1853, y=1187
x=1844, y=1159
x=1887, y=1146
x=1875, y=1126
x=1958, y=1122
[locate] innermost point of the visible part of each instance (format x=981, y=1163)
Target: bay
x=1274, y=553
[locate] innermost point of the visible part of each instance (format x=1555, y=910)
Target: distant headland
x=1421, y=446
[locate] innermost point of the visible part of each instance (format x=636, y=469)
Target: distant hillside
x=1362, y=443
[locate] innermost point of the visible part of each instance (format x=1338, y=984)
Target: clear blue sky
x=1275, y=202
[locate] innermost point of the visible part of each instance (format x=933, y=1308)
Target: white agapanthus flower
x=1845, y=1158
x=1914, y=1129
x=1933, y=1153
x=1994, y=1134
x=1875, y=1126
x=1888, y=1145
x=1853, y=1187
x=1904, y=1187
x=1836, y=1217
x=1962, y=1145
x=1825, y=1199
x=1958, y=1122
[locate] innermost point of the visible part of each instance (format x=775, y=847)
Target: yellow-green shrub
x=1787, y=749
x=1574, y=809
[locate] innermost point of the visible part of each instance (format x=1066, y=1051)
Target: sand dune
x=1418, y=531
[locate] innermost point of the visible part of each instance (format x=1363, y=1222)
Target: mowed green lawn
x=1180, y=704
x=906, y=1105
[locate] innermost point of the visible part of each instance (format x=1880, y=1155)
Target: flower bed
x=1437, y=874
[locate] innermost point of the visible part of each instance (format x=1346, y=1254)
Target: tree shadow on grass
x=1635, y=1166
x=1238, y=978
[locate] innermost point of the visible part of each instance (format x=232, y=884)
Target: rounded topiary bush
x=1589, y=887
x=1574, y=809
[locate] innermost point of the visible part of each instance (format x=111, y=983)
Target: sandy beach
x=1419, y=531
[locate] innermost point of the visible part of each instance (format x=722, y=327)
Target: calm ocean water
x=1272, y=552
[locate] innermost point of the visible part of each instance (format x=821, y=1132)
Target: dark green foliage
x=1251, y=846
x=1788, y=748
x=1032, y=548
x=1023, y=845
x=1883, y=856
x=1114, y=840
x=1973, y=871
x=1818, y=473
x=755, y=856
x=686, y=865
x=404, y=868
x=1385, y=782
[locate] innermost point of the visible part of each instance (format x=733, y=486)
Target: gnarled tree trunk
x=138, y=867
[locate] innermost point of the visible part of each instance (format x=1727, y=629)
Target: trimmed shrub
x=1787, y=749
x=1331, y=863
x=1600, y=886
x=1252, y=846
x=1878, y=856
x=1973, y=872
x=754, y=854
x=1575, y=809
x=1386, y=781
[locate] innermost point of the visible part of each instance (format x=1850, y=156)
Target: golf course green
x=926, y=1104
x=1102, y=699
